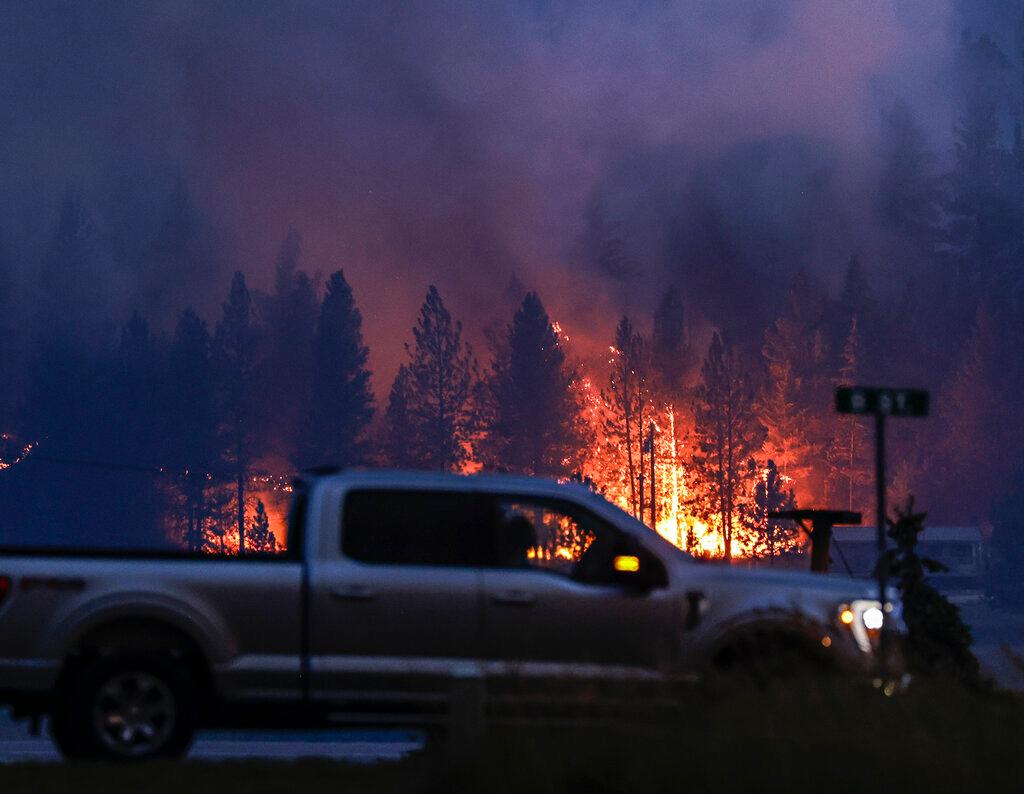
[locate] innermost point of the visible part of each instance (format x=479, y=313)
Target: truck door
x=554, y=605
x=395, y=606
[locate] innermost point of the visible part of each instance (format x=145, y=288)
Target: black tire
x=764, y=657
x=131, y=707
x=62, y=737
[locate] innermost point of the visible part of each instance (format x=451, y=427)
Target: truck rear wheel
x=127, y=708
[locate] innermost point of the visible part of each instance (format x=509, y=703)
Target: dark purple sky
x=458, y=143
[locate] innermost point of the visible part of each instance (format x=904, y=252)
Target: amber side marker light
x=627, y=563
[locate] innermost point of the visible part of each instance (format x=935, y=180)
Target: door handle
x=514, y=598
x=353, y=592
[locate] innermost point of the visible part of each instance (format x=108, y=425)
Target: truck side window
x=552, y=536
x=416, y=527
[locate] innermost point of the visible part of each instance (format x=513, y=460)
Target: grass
x=801, y=736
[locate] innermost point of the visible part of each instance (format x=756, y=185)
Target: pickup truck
x=394, y=586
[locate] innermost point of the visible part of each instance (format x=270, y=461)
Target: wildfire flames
x=669, y=505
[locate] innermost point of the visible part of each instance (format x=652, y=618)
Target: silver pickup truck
x=394, y=586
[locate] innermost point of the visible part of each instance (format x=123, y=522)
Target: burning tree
x=191, y=427
x=235, y=355
x=797, y=393
x=727, y=436
x=628, y=399
x=772, y=493
x=848, y=453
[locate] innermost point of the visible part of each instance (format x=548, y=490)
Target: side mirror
x=638, y=571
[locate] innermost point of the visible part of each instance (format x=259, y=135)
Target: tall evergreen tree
x=849, y=451
x=982, y=229
x=535, y=425
x=727, y=436
x=796, y=396
x=341, y=402
x=235, y=354
x=133, y=432
x=398, y=423
x=286, y=368
x=671, y=355
x=440, y=390
x=260, y=537
x=938, y=641
x=976, y=426
x=190, y=426
x=772, y=493
x=627, y=399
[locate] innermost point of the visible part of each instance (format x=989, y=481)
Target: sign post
x=881, y=403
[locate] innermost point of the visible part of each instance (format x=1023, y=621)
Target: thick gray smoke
x=726, y=142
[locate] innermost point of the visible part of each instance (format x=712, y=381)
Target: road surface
x=16, y=745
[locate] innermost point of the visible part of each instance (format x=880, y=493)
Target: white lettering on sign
x=884, y=402
x=858, y=401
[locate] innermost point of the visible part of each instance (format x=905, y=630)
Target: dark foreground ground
x=801, y=736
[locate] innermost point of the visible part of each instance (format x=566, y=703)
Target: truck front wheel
x=127, y=708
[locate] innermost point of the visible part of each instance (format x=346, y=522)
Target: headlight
x=873, y=618
x=865, y=619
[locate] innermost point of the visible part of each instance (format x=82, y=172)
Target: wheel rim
x=134, y=713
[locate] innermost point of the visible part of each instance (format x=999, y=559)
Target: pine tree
x=133, y=435
x=981, y=232
x=190, y=426
x=439, y=390
x=235, y=354
x=671, y=355
x=398, y=423
x=727, y=436
x=938, y=640
x=976, y=425
x=794, y=401
x=341, y=402
x=260, y=538
x=849, y=451
x=286, y=369
x=627, y=399
x=771, y=494
x=535, y=425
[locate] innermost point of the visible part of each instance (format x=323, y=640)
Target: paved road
x=16, y=745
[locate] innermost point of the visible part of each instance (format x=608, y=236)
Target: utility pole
x=654, y=507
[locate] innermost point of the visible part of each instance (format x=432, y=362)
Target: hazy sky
x=458, y=143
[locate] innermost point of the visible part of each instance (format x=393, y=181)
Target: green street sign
x=883, y=402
